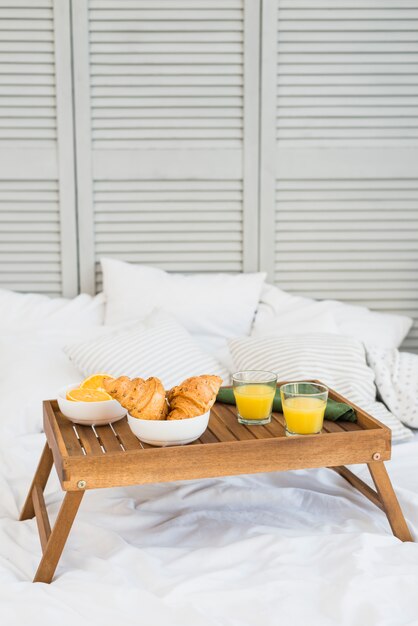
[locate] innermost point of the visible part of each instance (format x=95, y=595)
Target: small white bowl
x=169, y=432
x=89, y=413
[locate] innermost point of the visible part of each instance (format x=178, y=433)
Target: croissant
x=193, y=397
x=144, y=399
x=121, y=388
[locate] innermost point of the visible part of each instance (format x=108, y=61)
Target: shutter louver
x=164, y=84
x=166, y=75
x=30, y=256
x=182, y=225
x=35, y=252
x=346, y=72
x=344, y=194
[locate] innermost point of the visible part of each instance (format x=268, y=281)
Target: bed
x=299, y=547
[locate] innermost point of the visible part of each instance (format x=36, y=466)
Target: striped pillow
x=157, y=346
x=338, y=361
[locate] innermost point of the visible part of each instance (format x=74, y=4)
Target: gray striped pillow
x=338, y=361
x=157, y=346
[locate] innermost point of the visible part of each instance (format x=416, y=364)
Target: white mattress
x=283, y=548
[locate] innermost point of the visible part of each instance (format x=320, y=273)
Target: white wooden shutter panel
x=37, y=200
x=340, y=206
x=161, y=124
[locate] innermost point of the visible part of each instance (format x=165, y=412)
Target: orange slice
x=88, y=395
x=95, y=382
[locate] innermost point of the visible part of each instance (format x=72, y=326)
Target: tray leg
x=389, y=501
x=56, y=541
x=39, y=481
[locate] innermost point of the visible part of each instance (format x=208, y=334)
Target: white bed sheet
x=282, y=548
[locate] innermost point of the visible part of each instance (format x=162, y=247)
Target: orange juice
x=254, y=402
x=304, y=415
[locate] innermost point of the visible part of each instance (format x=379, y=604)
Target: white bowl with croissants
x=166, y=418
x=169, y=433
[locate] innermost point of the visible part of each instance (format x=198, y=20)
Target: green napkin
x=334, y=411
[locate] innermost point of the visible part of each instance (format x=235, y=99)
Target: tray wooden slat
x=126, y=436
x=88, y=439
x=279, y=418
x=227, y=417
x=350, y=426
x=108, y=438
x=72, y=443
x=275, y=428
x=218, y=427
x=208, y=437
x=332, y=427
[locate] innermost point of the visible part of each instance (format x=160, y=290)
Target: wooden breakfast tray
x=111, y=456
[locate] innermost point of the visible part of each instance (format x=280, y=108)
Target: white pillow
x=397, y=381
x=33, y=367
x=311, y=318
x=24, y=311
x=157, y=346
x=337, y=361
x=383, y=329
x=207, y=305
x=33, y=330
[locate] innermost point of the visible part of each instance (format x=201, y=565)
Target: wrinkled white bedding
x=283, y=548
x=298, y=548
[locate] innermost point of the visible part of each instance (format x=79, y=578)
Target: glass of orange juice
x=254, y=394
x=304, y=407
